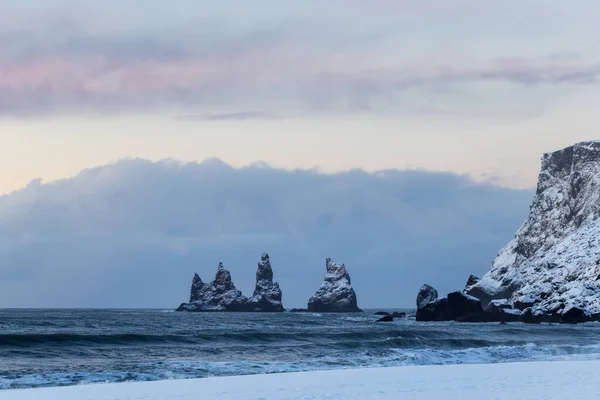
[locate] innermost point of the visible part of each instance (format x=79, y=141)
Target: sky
x=477, y=88
x=98, y=103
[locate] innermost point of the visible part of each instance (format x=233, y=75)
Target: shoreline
x=522, y=380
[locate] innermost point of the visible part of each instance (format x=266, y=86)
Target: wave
x=335, y=339
x=188, y=369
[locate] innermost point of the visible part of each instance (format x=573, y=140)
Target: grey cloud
x=133, y=233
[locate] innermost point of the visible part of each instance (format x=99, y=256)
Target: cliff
x=551, y=267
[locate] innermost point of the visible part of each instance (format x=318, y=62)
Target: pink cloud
x=91, y=81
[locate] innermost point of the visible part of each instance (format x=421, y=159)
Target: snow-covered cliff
x=552, y=264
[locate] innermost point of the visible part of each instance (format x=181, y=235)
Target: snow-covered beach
x=528, y=381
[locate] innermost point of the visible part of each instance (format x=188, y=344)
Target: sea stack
x=267, y=295
x=551, y=269
x=218, y=295
x=336, y=293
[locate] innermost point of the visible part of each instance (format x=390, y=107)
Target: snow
x=519, y=381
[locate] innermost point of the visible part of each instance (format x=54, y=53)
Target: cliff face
x=552, y=264
x=336, y=293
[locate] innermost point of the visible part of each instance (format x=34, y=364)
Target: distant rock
x=386, y=318
x=218, y=295
x=336, y=293
x=426, y=295
x=295, y=310
x=396, y=314
x=267, y=295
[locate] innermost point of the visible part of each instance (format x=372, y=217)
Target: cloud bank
x=132, y=234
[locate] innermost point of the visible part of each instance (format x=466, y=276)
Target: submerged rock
x=218, y=295
x=267, y=295
x=336, y=293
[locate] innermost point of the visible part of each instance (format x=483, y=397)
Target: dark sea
x=70, y=347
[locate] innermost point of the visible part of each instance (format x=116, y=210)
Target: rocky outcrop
x=551, y=268
x=336, y=293
x=462, y=305
x=458, y=306
x=426, y=295
x=218, y=295
x=267, y=295
x=386, y=318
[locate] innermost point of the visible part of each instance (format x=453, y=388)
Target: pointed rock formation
x=336, y=293
x=552, y=265
x=196, y=291
x=218, y=295
x=267, y=295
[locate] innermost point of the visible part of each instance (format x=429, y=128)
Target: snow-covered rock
x=552, y=264
x=218, y=295
x=267, y=295
x=336, y=293
x=426, y=295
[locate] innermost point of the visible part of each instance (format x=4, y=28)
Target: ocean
x=69, y=347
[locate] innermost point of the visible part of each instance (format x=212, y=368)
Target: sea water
x=68, y=347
